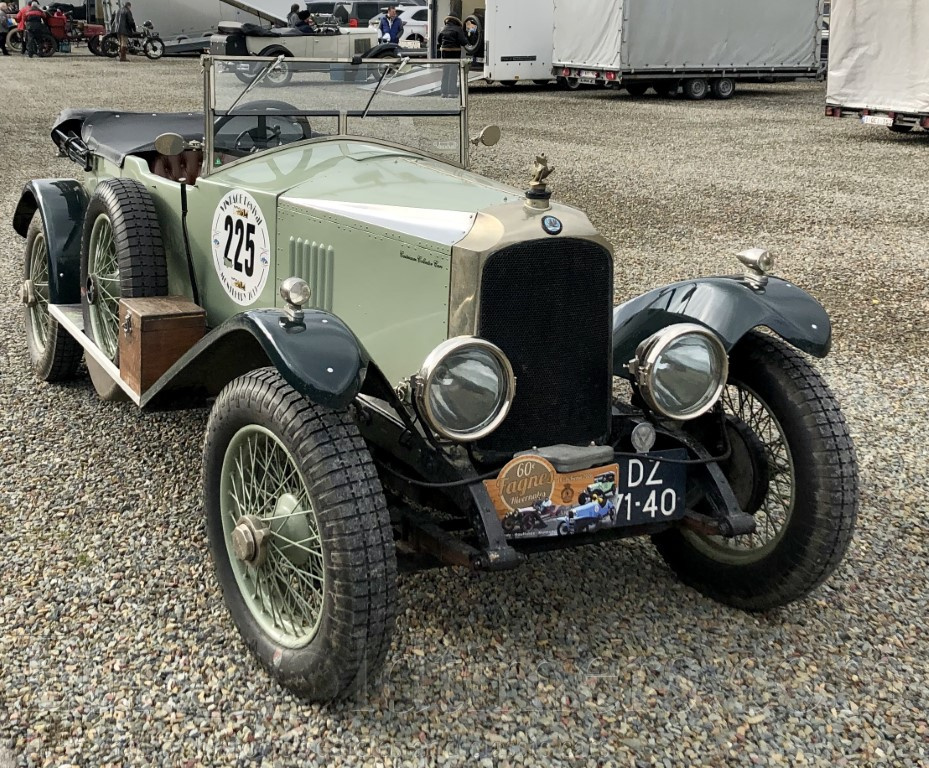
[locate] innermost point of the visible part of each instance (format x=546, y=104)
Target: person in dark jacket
x=306, y=23
x=450, y=42
x=124, y=25
x=33, y=25
x=391, y=26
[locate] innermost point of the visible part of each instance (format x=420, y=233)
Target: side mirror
x=488, y=136
x=169, y=144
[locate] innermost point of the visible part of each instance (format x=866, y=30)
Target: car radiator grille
x=548, y=305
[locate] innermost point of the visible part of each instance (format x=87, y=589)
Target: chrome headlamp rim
x=424, y=380
x=649, y=351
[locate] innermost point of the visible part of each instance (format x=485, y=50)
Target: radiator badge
x=551, y=224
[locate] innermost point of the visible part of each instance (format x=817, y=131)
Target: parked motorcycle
x=144, y=42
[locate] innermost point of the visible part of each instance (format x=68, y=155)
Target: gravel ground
x=114, y=645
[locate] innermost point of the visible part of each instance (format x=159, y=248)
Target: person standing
x=293, y=18
x=391, y=26
x=449, y=43
x=123, y=26
x=4, y=27
x=33, y=25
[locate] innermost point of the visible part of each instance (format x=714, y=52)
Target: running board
x=71, y=318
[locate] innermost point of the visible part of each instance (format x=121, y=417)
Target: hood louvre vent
x=315, y=263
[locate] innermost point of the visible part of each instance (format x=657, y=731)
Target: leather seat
x=184, y=167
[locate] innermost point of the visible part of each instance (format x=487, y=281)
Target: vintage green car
x=376, y=322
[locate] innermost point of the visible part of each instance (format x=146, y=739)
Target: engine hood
x=379, y=185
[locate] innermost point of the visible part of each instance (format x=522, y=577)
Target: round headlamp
x=681, y=370
x=465, y=388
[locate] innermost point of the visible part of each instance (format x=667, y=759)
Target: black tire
x=636, y=90
x=722, y=88
x=475, y=46
x=109, y=46
x=583, y=498
x=806, y=440
x=900, y=128
x=509, y=83
x=336, y=493
x=14, y=40
x=45, y=45
x=574, y=83
x=54, y=353
x=93, y=45
x=126, y=208
x=695, y=88
x=153, y=48
x=564, y=529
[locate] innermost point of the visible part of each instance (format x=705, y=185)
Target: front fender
x=320, y=357
x=730, y=306
x=62, y=203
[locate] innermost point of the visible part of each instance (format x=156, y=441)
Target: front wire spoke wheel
x=773, y=514
x=792, y=467
x=300, y=536
x=282, y=577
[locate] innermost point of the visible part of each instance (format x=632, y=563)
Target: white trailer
x=511, y=40
x=878, y=67
x=699, y=46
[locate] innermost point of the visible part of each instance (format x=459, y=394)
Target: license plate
x=533, y=500
x=877, y=120
x=589, y=74
x=587, y=81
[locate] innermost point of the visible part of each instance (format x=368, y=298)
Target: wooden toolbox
x=153, y=334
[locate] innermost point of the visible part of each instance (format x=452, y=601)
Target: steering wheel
x=261, y=137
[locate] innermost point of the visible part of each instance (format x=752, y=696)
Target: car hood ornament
x=538, y=194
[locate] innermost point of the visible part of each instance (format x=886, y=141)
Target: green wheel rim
x=38, y=312
x=776, y=510
x=103, y=273
x=261, y=482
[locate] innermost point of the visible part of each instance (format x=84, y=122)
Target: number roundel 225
x=241, y=247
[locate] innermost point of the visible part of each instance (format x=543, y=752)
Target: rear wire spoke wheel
x=300, y=536
x=54, y=353
x=804, y=497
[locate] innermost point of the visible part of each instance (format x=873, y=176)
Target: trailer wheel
x=900, y=128
x=574, y=83
x=722, y=88
x=636, y=90
x=695, y=88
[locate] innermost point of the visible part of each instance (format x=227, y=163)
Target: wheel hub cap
x=250, y=541
x=27, y=293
